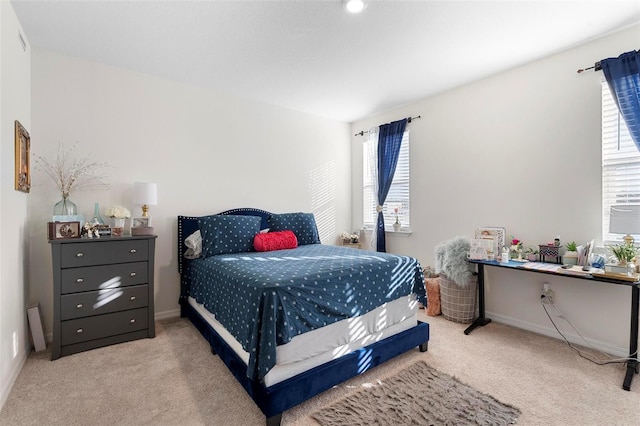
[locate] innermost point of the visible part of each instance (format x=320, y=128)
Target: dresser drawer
x=99, y=326
x=103, y=301
x=74, y=280
x=118, y=251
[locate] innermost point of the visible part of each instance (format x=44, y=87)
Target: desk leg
x=481, y=320
x=632, y=364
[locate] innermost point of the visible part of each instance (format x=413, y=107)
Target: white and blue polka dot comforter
x=266, y=299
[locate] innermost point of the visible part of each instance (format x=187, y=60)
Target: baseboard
x=5, y=388
x=173, y=313
x=551, y=332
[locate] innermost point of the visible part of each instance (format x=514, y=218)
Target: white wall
x=520, y=150
x=15, y=99
x=206, y=151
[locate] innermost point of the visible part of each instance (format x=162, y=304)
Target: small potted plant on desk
x=625, y=253
x=532, y=254
x=570, y=256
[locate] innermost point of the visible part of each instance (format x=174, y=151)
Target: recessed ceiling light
x=354, y=6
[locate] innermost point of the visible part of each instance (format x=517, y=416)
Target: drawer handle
x=79, y=254
x=79, y=280
x=79, y=306
x=132, y=298
x=132, y=251
x=78, y=331
x=132, y=320
x=133, y=274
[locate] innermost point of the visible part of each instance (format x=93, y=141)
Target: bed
x=293, y=322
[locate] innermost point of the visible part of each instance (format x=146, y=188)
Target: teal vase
x=97, y=219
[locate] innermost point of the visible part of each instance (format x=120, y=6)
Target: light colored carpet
x=418, y=395
x=174, y=380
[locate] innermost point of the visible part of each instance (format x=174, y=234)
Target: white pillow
x=194, y=244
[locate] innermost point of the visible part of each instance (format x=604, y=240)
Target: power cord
x=588, y=356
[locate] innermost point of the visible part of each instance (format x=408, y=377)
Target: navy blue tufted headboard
x=187, y=225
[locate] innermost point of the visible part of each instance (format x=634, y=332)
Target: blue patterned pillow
x=302, y=224
x=227, y=234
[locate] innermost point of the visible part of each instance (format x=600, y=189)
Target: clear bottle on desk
x=504, y=256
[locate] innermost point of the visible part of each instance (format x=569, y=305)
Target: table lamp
x=625, y=219
x=145, y=194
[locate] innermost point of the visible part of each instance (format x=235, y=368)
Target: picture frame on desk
x=495, y=234
x=63, y=230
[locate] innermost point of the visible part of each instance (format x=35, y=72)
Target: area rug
x=418, y=395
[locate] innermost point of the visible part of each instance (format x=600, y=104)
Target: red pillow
x=279, y=240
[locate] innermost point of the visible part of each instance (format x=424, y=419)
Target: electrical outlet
x=546, y=296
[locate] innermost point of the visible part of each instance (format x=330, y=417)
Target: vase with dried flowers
x=118, y=214
x=69, y=174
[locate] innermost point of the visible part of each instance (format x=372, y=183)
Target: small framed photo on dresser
x=63, y=230
x=141, y=222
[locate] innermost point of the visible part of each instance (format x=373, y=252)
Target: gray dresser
x=102, y=292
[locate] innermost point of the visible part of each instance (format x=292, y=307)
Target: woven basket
x=458, y=304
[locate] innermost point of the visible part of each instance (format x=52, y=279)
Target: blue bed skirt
x=274, y=400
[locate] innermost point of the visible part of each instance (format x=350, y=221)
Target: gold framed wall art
x=23, y=158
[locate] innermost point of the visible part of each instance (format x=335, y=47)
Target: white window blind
x=620, y=164
x=398, y=196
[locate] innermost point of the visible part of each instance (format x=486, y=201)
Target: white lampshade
x=624, y=219
x=145, y=194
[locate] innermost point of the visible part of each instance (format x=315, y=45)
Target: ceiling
x=313, y=56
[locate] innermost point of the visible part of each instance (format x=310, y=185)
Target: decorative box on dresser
x=102, y=292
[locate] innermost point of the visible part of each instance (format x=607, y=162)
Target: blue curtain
x=623, y=76
x=389, y=142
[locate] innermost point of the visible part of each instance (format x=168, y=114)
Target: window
x=398, y=196
x=620, y=163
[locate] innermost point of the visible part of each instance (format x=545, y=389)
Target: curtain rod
x=362, y=132
x=595, y=67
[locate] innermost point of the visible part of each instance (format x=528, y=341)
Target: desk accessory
x=616, y=269
x=504, y=256
x=479, y=249
x=547, y=250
